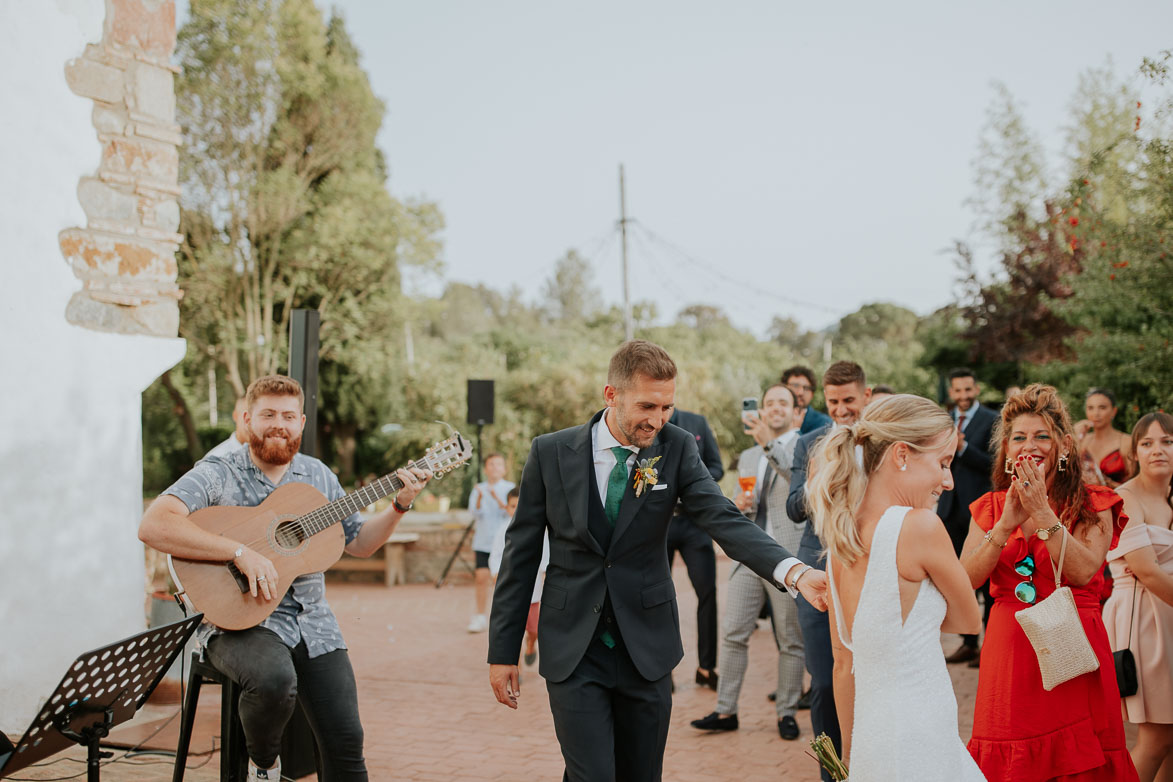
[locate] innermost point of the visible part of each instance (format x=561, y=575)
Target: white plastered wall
x=71, y=566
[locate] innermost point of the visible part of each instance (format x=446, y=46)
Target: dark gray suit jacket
x=632, y=572
x=971, y=470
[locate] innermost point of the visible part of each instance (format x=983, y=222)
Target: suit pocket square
x=660, y=487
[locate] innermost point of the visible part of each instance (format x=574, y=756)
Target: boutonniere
x=645, y=474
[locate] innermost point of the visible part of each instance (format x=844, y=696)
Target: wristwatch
x=1045, y=534
x=395, y=504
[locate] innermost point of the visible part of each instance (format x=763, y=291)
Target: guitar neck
x=333, y=512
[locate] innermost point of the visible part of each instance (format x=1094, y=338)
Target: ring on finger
x=261, y=579
x=1026, y=484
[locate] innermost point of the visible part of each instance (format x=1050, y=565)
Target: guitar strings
x=325, y=516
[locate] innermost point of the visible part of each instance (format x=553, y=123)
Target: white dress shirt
x=602, y=441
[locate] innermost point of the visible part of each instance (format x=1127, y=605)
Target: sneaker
x=478, y=624
x=273, y=774
x=788, y=728
x=715, y=721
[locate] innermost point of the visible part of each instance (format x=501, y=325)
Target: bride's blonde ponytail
x=838, y=479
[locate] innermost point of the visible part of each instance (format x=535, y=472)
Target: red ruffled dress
x=1021, y=732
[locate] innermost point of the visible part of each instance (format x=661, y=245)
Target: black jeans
x=271, y=676
x=696, y=549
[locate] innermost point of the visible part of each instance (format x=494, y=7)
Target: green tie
x=616, y=483
x=616, y=486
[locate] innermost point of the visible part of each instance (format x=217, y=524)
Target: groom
x=610, y=628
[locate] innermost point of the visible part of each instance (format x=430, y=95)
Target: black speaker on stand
x=480, y=412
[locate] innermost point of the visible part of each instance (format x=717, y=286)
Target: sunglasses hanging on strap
x=1054, y=629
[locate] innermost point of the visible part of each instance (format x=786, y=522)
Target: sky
x=781, y=159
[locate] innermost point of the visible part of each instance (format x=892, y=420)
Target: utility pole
x=628, y=326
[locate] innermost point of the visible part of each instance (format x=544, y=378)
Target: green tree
x=285, y=203
x=883, y=339
x=570, y=294
x=1101, y=145
x=1010, y=171
x=285, y=206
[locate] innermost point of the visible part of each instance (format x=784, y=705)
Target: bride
x=895, y=586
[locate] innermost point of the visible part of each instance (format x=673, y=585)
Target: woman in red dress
x=1021, y=732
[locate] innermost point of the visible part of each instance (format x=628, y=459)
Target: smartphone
x=749, y=407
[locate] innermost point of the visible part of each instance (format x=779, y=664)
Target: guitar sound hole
x=289, y=534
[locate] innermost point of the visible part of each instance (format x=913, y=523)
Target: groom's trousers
x=611, y=722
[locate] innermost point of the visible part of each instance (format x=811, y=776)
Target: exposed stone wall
x=71, y=565
x=125, y=256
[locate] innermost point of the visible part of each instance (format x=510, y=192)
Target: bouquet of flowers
x=828, y=758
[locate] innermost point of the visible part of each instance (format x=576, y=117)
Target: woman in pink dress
x=1139, y=614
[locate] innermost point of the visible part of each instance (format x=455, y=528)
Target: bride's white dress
x=905, y=725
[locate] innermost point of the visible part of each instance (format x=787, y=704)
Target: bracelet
x=236, y=554
x=395, y=504
x=801, y=573
x=988, y=537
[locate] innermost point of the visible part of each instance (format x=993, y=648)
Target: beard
x=640, y=438
x=271, y=448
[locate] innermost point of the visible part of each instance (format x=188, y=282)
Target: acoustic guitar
x=296, y=528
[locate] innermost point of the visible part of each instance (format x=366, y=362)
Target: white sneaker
x=273, y=774
x=478, y=624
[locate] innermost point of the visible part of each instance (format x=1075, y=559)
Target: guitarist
x=298, y=651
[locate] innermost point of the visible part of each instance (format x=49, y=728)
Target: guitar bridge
x=241, y=578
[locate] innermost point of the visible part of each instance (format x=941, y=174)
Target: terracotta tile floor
x=429, y=714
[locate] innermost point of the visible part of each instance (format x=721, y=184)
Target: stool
x=299, y=749
x=233, y=756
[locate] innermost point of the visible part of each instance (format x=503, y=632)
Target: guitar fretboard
x=333, y=512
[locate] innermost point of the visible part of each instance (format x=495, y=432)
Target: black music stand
x=102, y=688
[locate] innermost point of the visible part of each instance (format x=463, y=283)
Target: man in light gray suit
x=610, y=627
x=765, y=504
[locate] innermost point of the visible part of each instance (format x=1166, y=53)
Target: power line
x=710, y=270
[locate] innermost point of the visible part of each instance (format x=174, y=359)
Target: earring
x=1008, y=468
x=1062, y=465
x=903, y=467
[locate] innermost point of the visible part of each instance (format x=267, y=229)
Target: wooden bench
x=390, y=564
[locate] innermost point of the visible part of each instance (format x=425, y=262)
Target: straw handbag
x=1055, y=631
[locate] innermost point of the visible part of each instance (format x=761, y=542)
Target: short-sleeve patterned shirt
x=303, y=613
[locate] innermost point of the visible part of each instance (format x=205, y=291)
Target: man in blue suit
x=846, y=393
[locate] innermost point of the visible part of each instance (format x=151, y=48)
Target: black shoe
x=804, y=702
x=963, y=655
x=788, y=728
x=715, y=721
x=706, y=679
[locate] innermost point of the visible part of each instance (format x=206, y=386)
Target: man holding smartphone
x=764, y=490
